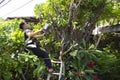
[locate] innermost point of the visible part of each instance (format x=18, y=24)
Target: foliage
x=15, y=62
x=71, y=24
x=108, y=60
x=108, y=66
x=111, y=12
x=83, y=66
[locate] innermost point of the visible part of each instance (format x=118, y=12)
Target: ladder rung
x=60, y=73
x=57, y=73
x=56, y=62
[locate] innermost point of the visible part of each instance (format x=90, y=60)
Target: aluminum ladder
x=61, y=71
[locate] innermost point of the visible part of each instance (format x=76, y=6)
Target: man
x=31, y=44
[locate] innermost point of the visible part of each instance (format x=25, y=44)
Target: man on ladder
x=31, y=44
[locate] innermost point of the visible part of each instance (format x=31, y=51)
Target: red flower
x=91, y=64
x=76, y=73
x=96, y=78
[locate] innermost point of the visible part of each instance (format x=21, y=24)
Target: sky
x=15, y=8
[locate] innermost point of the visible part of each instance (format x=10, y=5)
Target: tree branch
x=70, y=12
x=91, y=26
x=78, y=4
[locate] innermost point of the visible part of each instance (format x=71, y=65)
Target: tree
x=73, y=20
x=72, y=23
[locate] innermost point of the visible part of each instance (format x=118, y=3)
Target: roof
x=27, y=19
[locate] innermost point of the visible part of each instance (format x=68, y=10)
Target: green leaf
x=74, y=53
x=92, y=47
x=89, y=71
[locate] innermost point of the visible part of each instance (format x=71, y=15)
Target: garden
x=69, y=37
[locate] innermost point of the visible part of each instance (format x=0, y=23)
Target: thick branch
x=93, y=20
x=70, y=12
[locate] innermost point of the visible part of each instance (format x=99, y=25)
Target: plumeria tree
x=71, y=24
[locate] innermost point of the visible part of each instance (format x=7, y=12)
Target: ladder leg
x=61, y=69
x=48, y=77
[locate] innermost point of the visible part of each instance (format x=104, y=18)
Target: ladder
x=61, y=71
